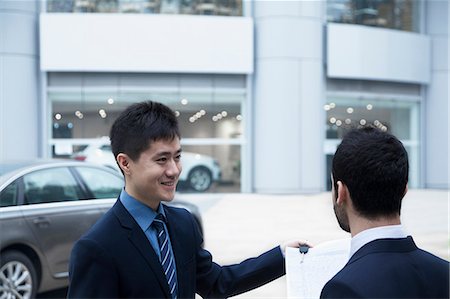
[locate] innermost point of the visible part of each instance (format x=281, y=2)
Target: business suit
x=390, y=268
x=115, y=260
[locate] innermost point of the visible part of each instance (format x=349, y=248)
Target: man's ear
x=406, y=190
x=124, y=162
x=342, y=194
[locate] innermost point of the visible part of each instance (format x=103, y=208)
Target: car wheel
x=200, y=179
x=18, y=277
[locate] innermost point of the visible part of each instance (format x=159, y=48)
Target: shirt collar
x=143, y=214
x=382, y=232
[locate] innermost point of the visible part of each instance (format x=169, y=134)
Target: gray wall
x=436, y=139
x=19, y=87
x=288, y=97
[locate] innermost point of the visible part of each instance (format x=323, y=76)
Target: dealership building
x=267, y=88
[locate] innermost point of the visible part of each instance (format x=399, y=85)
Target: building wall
x=288, y=130
x=19, y=80
x=436, y=141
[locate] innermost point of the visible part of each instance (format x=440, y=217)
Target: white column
x=436, y=139
x=288, y=97
x=19, y=84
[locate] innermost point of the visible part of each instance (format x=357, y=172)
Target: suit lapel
x=139, y=240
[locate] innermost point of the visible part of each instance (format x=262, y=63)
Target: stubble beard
x=342, y=217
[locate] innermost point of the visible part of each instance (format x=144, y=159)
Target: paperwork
x=307, y=275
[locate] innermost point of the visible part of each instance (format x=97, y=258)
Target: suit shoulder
x=336, y=288
x=176, y=211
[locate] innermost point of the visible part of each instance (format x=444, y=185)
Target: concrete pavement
x=238, y=226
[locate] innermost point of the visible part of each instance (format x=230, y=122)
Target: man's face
x=153, y=177
x=339, y=210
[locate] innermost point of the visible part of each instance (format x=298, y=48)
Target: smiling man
x=142, y=248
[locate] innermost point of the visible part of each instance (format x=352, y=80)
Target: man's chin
x=168, y=196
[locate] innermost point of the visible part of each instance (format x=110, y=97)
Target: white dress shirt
x=382, y=232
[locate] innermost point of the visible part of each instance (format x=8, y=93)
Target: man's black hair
x=374, y=166
x=139, y=125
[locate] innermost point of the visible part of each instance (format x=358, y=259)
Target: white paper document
x=307, y=275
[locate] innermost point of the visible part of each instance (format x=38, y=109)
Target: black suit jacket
x=115, y=260
x=390, y=268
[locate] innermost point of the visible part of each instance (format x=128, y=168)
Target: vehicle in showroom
x=45, y=206
x=199, y=171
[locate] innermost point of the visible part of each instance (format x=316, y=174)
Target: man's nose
x=173, y=168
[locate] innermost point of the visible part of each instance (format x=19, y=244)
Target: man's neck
x=359, y=224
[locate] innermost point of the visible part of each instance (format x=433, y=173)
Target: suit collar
x=385, y=245
x=139, y=240
x=380, y=232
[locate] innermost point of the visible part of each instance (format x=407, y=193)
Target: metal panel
x=146, y=43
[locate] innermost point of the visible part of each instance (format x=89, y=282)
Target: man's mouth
x=171, y=183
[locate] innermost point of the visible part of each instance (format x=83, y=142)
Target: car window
x=106, y=147
x=102, y=184
x=8, y=197
x=50, y=185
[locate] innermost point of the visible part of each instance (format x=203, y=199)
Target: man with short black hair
x=142, y=248
x=369, y=179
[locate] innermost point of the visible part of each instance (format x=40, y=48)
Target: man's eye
x=178, y=158
x=164, y=159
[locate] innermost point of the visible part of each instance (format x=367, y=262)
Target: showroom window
x=398, y=117
x=191, y=7
x=392, y=14
x=209, y=113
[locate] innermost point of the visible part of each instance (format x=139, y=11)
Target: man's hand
x=294, y=244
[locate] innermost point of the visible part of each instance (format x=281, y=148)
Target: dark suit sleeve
x=214, y=281
x=91, y=272
x=335, y=289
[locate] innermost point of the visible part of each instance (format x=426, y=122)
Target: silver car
x=45, y=207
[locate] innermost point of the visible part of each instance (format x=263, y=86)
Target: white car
x=199, y=171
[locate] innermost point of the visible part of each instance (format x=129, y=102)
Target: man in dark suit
x=369, y=177
x=142, y=248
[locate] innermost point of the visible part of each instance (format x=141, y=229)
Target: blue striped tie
x=167, y=260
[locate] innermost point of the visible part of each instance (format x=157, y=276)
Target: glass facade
x=392, y=14
x=401, y=118
x=192, y=7
x=210, y=119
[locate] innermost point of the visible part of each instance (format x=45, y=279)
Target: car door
x=56, y=214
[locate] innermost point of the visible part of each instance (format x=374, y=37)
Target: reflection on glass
x=211, y=126
x=393, y=14
x=222, y=163
x=194, y=7
x=396, y=117
x=200, y=115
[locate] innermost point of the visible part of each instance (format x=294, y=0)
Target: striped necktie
x=167, y=259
